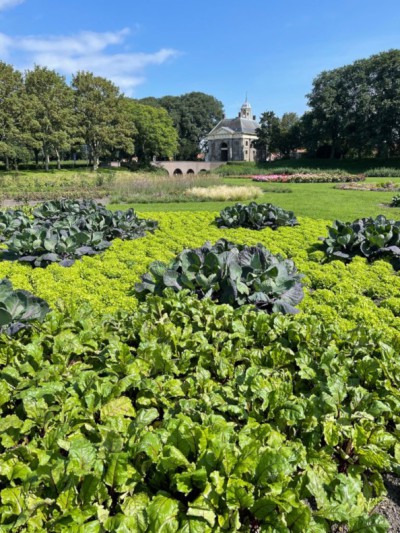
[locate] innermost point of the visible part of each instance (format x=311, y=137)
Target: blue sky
x=271, y=50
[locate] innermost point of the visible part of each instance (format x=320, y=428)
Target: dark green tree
x=289, y=134
x=16, y=117
x=155, y=135
x=194, y=115
x=53, y=104
x=104, y=122
x=268, y=134
x=355, y=109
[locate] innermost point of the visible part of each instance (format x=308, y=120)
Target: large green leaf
x=163, y=514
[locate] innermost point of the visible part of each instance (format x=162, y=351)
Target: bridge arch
x=183, y=167
x=190, y=171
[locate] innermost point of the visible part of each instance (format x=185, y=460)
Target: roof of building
x=237, y=125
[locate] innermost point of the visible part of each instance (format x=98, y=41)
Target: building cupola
x=245, y=111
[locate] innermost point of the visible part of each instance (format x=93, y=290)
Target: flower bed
x=306, y=178
x=386, y=186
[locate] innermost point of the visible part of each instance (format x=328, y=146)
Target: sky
x=269, y=50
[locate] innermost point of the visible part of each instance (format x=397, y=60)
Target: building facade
x=232, y=138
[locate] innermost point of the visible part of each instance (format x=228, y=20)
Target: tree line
x=42, y=117
x=354, y=111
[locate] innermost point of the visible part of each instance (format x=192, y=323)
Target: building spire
x=245, y=111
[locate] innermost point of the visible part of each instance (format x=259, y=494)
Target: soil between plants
x=389, y=507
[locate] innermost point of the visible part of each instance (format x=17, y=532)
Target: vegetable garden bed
x=181, y=415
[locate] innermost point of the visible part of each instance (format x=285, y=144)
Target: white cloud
x=84, y=51
x=7, y=4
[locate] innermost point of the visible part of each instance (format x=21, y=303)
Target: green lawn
x=315, y=200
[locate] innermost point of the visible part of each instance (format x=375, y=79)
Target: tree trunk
x=96, y=162
x=7, y=162
x=58, y=160
x=36, y=151
x=46, y=161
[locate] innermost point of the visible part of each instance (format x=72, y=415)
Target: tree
x=289, y=133
x=155, y=133
x=52, y=102
x=327, y=109
x=194, y=115
x=356, y=109
x=383, y=81
x=268, y=134
x=103, y=118
x=16, y=121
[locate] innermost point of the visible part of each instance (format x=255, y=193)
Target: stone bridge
x=176, y=168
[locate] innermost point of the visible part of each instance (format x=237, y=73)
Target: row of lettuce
x=180, y=415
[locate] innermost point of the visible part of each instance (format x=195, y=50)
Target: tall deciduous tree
x=103, y=119
x=289, y=133
x=155, y=134
x=356, y=109
x=194, y=115
x=16, y=121
x=268, y=134
x=52, y=102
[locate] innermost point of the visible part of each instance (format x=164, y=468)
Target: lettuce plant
x=231, y=274
x=255, y=216
x=19, y=308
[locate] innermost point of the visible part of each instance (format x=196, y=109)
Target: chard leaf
x=163, y=512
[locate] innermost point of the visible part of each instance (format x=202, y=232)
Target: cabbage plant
x=255, y=216
x=231, y=274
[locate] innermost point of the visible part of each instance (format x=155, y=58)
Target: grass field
x=315, y=200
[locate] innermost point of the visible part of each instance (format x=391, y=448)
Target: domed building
x=232, y=138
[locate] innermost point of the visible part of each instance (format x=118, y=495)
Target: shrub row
x=383, y=172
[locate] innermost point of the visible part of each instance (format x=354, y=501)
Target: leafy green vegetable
x=191, y=416
x=229, y=273
x=255, y=216
x=19, y=308
x=367, y=237
x=65, y=230
x=395, y=201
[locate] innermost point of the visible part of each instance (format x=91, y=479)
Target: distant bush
x=383, y=172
